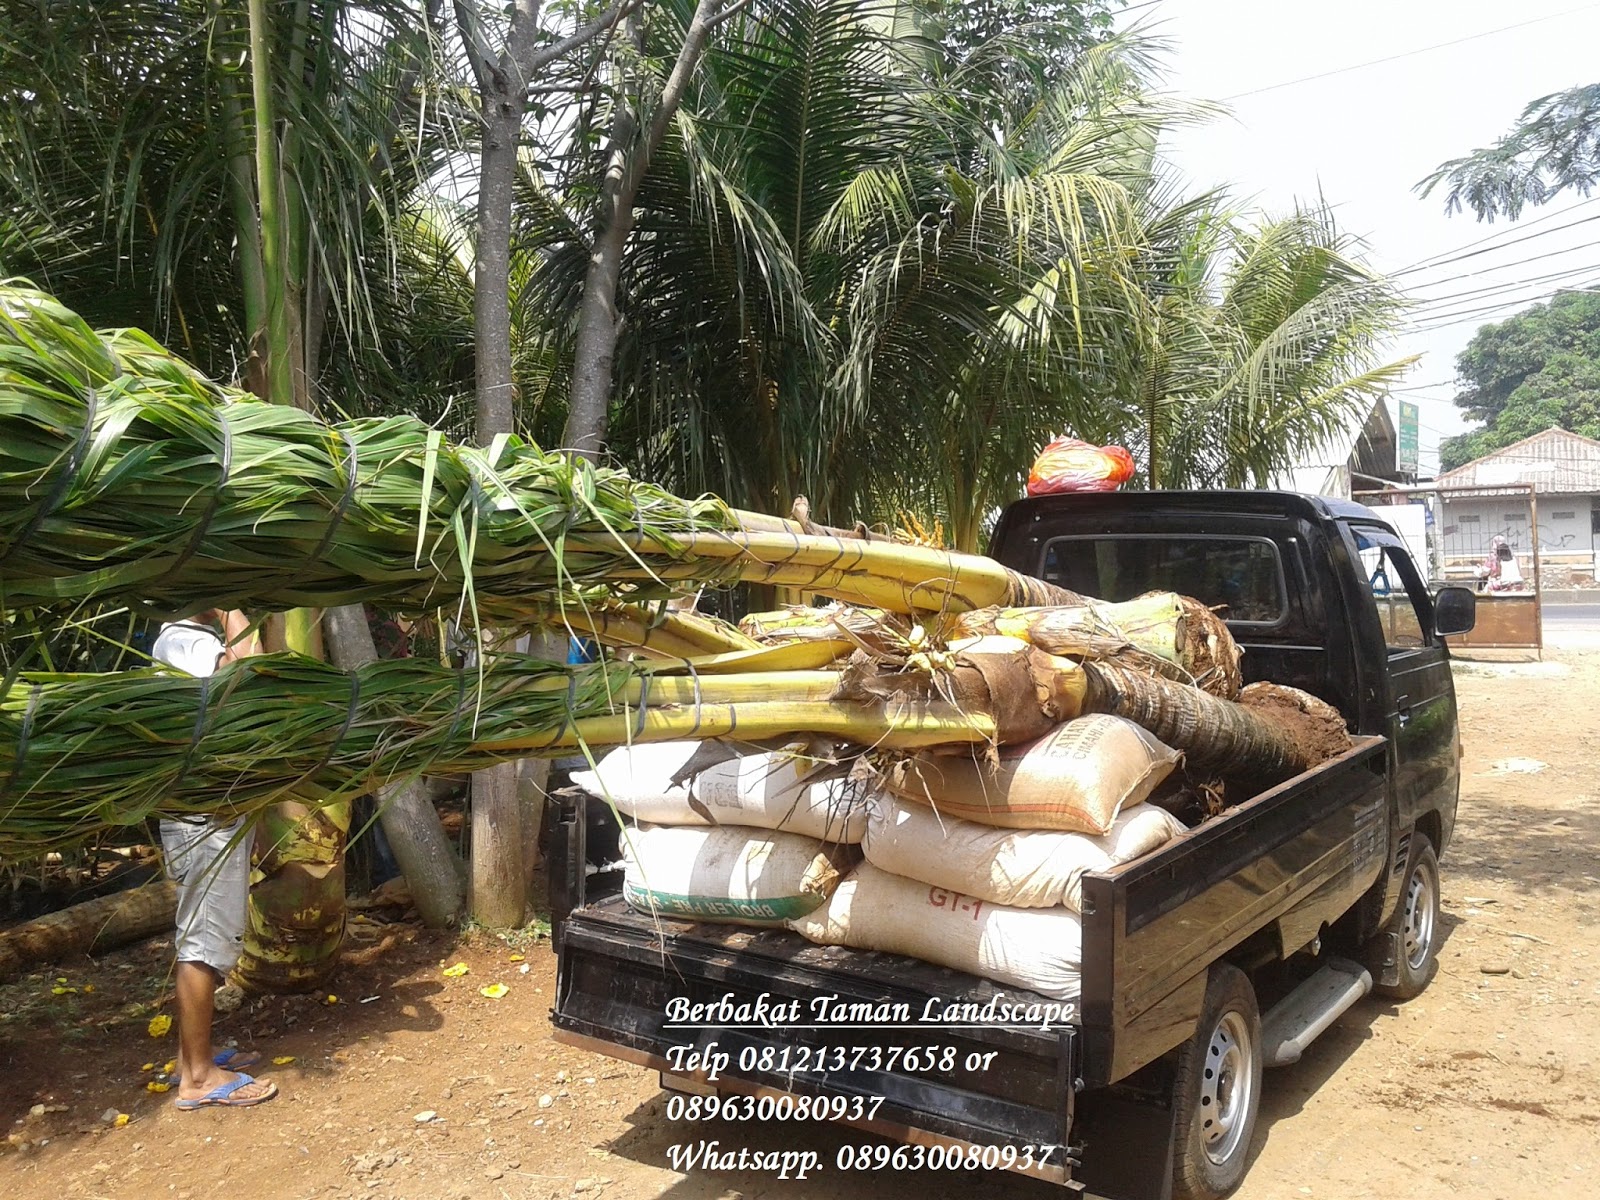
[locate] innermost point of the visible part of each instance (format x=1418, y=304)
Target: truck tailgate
x=619, y=970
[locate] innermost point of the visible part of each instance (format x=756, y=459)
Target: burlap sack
x=1027, y=868
x=1076, y=778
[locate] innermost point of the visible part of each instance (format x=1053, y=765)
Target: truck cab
x=1226, y=951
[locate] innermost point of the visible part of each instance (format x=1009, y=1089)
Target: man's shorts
x=211, y=864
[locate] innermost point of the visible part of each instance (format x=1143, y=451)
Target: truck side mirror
x=1455, y=610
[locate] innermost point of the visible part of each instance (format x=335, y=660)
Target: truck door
x=1421, y=694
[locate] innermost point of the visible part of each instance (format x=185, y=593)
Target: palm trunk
x=279, y=370
x=95, y=925
x=295, y=922
x=498, y=889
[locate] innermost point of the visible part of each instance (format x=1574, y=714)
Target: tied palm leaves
x=124, y=473
x=82, y=753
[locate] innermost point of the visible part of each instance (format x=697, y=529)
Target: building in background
x=1365, y=455
x=1563, y=470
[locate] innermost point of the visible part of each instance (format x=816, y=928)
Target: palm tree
x=837, y=265
x=1261, y=341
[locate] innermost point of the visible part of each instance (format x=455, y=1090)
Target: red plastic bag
x=1068, y=465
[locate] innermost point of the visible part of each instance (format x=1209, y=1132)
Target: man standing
x=210, y=860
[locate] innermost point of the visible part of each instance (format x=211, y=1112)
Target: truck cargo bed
x=1290, y=858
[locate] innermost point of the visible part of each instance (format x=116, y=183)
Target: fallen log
x=92, y=927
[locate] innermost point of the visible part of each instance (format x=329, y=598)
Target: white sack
x=1022, y=868
x=729, y=874
x=1040, y=949
x=763, y=791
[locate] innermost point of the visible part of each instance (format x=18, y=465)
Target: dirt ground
x=413, y=1084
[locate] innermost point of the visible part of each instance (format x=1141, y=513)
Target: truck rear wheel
x=1415, y=923
x=1218, y=1090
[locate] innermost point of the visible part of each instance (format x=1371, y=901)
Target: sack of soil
x=728, y=874
x=710, y=783
x=1029, y=868
x=1076, y=778
x=1040, y=949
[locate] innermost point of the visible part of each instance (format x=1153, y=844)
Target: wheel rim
x=1227, y=1084
x=1418, y=932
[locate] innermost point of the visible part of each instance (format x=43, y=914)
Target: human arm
x=239, y=640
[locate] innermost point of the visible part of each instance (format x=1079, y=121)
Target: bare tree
x=499, y=870
x=628, y=154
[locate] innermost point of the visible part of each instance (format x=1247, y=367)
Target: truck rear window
x=1241, y=577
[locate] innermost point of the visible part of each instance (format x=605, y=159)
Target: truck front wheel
x=1218, y=1090
x=1415, y=926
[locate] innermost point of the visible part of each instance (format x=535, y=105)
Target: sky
x=1363, y=136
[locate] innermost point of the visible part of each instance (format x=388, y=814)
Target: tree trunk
x=294, y=927
x=279, y=370
x=491, y=277
x=499, y=878
x=628, y=160
x=93, y=926
x=405, y=809
x=598, y=328
x=498, y=891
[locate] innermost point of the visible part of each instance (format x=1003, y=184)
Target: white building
x=1564, y=470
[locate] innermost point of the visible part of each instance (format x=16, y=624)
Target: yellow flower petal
x=457, y=971
x=330, y=998
x=61, y=991
x=515, y=958
x=494, y=991
x=159, y=1025
x=122, y=1119
x=88, y=987
x=172, y=1065
x=283, y=1060
x=148, y=1067
x=61, y=978
x=153, y=1086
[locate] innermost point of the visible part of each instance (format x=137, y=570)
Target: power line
x=1494, y=249
x=1506, y=283
x=1422, y=263
x=1272, y=87
x=1524, y=261
x=1497, y=289
x=1478, y=307
x=1446, y=320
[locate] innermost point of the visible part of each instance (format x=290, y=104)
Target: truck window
x=1241, y=577
x=1397, y=611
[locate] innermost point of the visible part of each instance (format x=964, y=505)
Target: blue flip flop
x=223, y=1096
x=234, y=1059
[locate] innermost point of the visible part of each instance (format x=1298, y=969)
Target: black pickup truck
x=1225, y=951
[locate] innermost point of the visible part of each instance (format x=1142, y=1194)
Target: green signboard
x=1406, y=457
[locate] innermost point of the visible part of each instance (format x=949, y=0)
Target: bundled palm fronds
x=80, y=753
x=125, y=473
